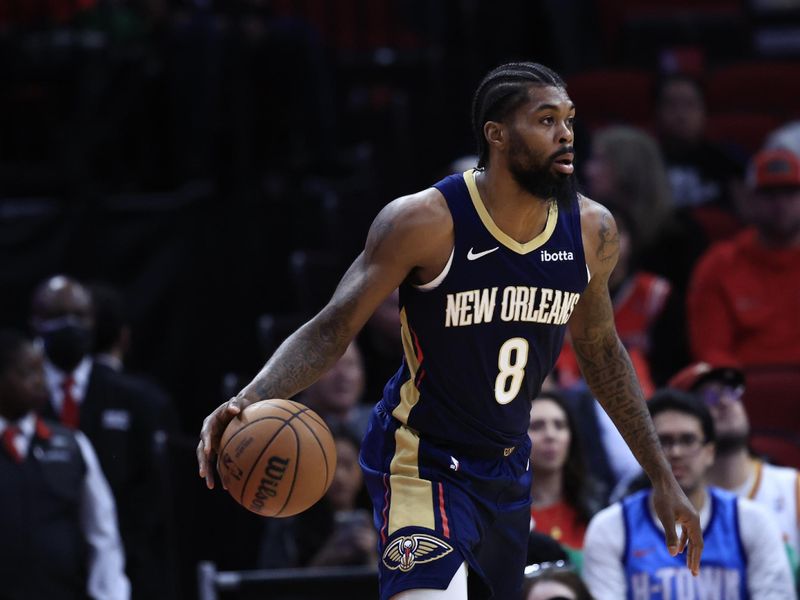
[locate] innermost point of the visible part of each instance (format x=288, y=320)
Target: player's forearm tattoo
x=609, y=373
x=307, y=353
x=609, y=241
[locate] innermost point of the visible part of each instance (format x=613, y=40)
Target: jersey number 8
x=511, y=361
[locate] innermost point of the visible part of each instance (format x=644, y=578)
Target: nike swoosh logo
x=476, y=255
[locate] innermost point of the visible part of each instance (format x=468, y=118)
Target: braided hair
x=501, y=92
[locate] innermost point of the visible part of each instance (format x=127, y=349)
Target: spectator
x=336, y=531
x=735, y=468
x=699, y=172
x=624, y=553
x=544, y=549
x=336, y=396
x=117, y=417
x=57, y=514
x=554, y=582
x=564, y=496
x=626, y=169
x=112, y=332
x=786, y=136
x=744, y=298
x=639, y=298
x=112, y=342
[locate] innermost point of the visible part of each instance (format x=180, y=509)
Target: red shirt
x=637, y=305
x=744, y=304
x=560, y=522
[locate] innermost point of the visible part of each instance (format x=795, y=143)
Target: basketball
x=277, y=458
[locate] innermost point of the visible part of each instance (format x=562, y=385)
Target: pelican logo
x=406, y=551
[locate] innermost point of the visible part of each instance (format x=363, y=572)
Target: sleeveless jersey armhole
x=434, y=283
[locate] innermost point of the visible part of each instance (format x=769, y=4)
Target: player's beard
x=535, y=174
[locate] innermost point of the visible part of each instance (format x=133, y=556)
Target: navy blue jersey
x=480, y=339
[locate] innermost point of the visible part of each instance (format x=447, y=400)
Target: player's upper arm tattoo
x=608, y=248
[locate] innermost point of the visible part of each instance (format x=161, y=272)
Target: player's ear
x=495, y=134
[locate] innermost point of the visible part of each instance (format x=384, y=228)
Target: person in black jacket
x=120, y=417
x=57, y=514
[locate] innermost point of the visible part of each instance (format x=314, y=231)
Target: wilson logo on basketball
x=406, y=551
x=267, y=488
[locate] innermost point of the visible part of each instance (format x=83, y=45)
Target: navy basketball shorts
x=435, y=509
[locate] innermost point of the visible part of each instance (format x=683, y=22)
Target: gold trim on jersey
x=412, y=497
x=757, y=480
x=797, y=497
x=409, y=394
x=499, y=234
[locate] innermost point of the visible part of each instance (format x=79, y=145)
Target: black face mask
x=66, y=341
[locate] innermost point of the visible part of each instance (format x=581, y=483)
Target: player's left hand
x=673, y=508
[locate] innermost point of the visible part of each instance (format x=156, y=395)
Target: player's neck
x=731, y=471
x=519, y=214
x=547, y=488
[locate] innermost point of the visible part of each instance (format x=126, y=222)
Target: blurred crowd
x=183, y=182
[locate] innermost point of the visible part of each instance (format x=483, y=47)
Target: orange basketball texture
x=277, y=458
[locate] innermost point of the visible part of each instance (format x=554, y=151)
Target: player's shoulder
x=757, y=525
x=731, y=250
x=600, y=235
x=57, y=433
x=779, y=473
x=594, y=215
x=609, y=517
x=428, y=203
x=423, y=212
x=723, y=260
x=417, y=226
x=606, y=531
x=751, y=510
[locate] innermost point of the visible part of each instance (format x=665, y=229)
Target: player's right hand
x=673, y=508
x=213, y=426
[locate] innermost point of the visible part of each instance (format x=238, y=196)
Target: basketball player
x=490, y=264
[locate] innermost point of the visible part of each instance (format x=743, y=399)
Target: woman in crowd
x=554, y=582
x=626, y=169
x=564, y=497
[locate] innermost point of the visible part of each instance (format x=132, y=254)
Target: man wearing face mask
x=118, y=417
